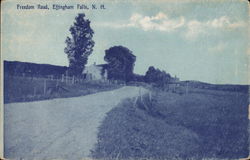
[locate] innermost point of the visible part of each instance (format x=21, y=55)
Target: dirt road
x=59, y=128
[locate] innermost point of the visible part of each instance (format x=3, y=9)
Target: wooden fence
x=22, y=87
x=49, y=81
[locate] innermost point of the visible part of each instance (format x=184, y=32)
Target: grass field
x=23, y=89
x=200, y=124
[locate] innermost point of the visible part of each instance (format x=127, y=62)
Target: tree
x=120, y=63
x=138, y=78
x=150, y=75
x=79, y=45
x=156, y=76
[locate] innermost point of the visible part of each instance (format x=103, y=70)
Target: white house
x=95, y=72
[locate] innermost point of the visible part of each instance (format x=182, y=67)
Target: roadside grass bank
x=24, y=89
x=167, y=125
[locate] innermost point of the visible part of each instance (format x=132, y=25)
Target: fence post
x=34, y=91
x=150, y=97
x=44, y=87
x=140, y=94
x=187, y=88
x=135, y=101
x=73, y=79
x=62, y=77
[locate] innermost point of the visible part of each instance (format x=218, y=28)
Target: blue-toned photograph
x=125, y=80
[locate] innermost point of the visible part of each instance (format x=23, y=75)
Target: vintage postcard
x=124, y=80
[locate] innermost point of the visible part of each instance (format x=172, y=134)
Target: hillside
x=222, y=87
x=16, y=68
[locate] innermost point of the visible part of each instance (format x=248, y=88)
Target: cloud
x=159, y=22
x=220, y=47
x=190, y=29
x=224, y=22
x=196, y=28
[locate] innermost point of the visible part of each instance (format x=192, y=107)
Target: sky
x=204, y=40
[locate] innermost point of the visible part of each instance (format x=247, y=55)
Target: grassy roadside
x=172, y=126
x=23, y=89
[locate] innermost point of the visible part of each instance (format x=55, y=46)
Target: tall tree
x=79, y=45
x=120, y=63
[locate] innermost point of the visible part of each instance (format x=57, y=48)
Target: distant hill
x=15, y=68
x=223, y=87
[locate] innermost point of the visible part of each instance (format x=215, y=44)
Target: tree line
x=120, y=60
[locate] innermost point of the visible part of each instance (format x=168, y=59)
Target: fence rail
x=62, y=78
x=23, y=88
